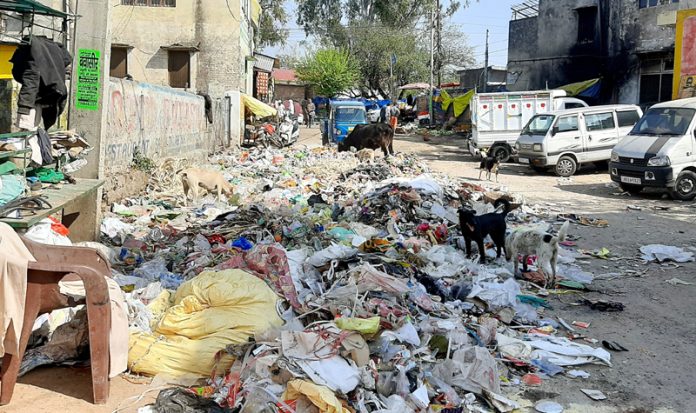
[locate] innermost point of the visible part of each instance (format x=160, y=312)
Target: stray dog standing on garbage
x=477, y=227
x=539, y=243
x=491, y=164
x=365, y=155
x=193, y=178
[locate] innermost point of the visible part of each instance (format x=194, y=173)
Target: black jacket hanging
x=40, y=67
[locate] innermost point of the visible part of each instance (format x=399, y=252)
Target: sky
x=493, y=15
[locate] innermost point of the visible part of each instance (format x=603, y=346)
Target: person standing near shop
x=305, y=112
x=311, y=112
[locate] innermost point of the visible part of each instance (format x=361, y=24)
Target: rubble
x=327, y=284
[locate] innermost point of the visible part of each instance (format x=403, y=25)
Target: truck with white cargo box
x=498, y=118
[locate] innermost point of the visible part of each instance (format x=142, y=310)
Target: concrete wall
x=544, y=50
x=221, y=63
x=212, y=26
x=159, y=121
x=286, y=92
x=147, y=29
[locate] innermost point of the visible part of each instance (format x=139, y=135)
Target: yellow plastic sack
x=320, y=396
x=361, y=325
x=208, y=313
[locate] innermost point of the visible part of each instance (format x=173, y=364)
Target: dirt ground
x=658, y=325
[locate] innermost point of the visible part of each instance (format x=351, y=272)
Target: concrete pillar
x=220, y=63
x=92, y=33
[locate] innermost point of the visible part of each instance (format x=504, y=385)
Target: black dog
x=491, y=164
x=477, y=227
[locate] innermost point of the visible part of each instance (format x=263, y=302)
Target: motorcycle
x=288, y=132
x=259, y=135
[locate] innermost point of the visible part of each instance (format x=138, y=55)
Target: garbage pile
x=325, y=284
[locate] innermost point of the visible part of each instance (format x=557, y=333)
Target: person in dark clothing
x=311, y=113
x=39, y=65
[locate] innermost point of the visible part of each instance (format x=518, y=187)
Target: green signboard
x=88, y=79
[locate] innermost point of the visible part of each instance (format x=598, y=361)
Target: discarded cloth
x=320, y=396
x=208, y=313
x=14, y=259
x=118, y=334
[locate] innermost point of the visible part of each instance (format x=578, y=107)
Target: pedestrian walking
x=384, y=114
x=305, y=112
x=394, y=113
x=311, y=112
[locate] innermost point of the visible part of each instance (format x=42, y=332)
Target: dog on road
x=195, y=178
x=477, y=227
x=528, y=242
x=490, y=164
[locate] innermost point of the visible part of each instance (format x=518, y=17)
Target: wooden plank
x=59, y=199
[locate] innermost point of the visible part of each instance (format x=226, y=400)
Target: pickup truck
x=498, y=118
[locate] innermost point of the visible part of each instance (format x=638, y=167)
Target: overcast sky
x=493, y=15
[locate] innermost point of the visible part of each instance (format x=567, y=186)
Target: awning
x=415, y=86
x=257, y=107
x=255, y=12
x=587, y=88
x=30, y=6
x=460, y=102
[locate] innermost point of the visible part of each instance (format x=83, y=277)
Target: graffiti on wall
x=157, y=121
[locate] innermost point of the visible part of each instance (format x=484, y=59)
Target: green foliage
x=273, y=19
x=142, y=162
x=329, y=71
x=373, y=30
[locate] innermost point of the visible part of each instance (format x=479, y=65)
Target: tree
x=273, y=19
x=455, y=53
x=330, y=71
x=373, y=30
x=373, y=48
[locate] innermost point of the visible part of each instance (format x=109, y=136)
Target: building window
x=642, y=4
x=179, y=68
x=656, y=76
x=119, y=62
x=587, y=24
x=149, y=3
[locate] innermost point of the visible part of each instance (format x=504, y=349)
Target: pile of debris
x=325, y=284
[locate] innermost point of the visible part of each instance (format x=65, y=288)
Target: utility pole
x=485, y=69
x=432, y=58
x=438, y=28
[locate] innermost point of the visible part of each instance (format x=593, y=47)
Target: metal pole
x=432, y=59
x=438, y=28
x=485, y=69
x=391, y=77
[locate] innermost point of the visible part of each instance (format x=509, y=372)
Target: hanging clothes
x=40, y=65
x=14, y=261
x=45, y=147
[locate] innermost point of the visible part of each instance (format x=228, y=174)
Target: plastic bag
x=44, y=234
x=662, y=253
x=361, y=325
x=497, y=294
x=156, y=270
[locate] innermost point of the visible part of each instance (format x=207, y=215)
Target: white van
x=566, y=139
x=660, y=151
x=498, y=118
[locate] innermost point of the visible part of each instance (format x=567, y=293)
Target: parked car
x=565, y=139
x=498, y=118
x=660, y=151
